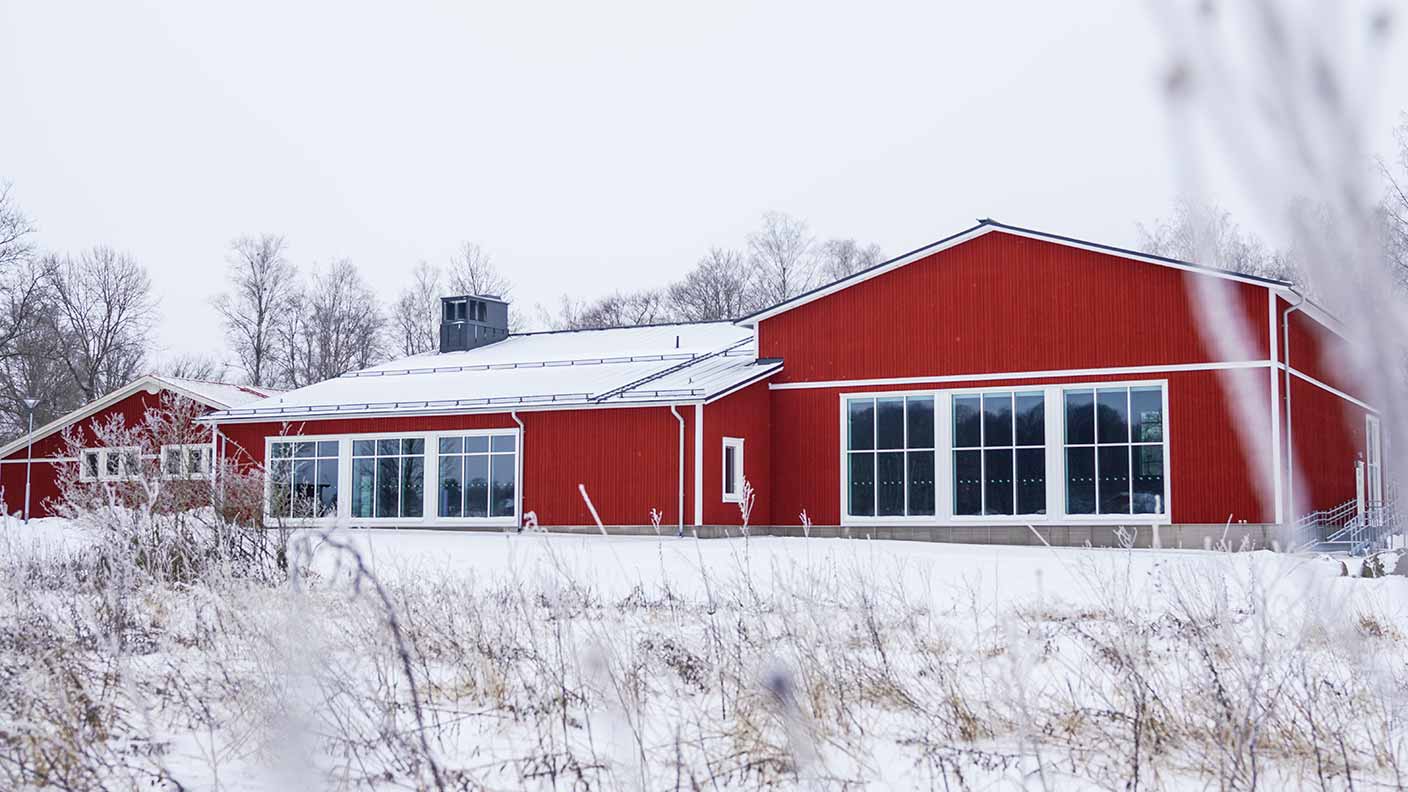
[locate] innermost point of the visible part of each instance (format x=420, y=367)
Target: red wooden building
x=995, y=382
x=48, y=449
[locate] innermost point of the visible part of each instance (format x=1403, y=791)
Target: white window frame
x=1373, y=460
x=431, y=489
x=1055, y=458
x=982, y=450
x=206, y=460
x=83, y=475
x=731, y=444
x=122, y=453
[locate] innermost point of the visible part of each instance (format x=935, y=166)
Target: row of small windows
x=190, y=461
x=1113, y=453
x=476, y=476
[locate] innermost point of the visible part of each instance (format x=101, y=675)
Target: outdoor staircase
x=1348, y=528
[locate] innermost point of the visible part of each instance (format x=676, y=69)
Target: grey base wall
x=1237, y=536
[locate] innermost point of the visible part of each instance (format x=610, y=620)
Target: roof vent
x=470, y=321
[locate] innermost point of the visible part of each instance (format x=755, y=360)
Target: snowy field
x=419, y=659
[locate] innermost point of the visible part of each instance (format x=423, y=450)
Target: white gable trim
x=149, y=383
x=987, y=227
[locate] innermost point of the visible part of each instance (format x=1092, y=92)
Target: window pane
x=1031, y=481
x=304, y=450
x=967, y=426
x=413, y=445
x=363, y=448
x=997, y=477
x=363, y=487
x=1148, y=479
x=327, y=487
x=889, y=483
x=729, y=473
x=195, y=461
x=1112, y=415
x=1114, y=480
x=1031, y=419
x=502, y=503
x=451, y=486
x=889, y=423
x=413, y=486
x=1080, y=480
x=921, y=482
x=451, y=445
x=1080, y=417
x=860, y=418
x=501, y=443
x=327, y=448
x=171, y=462
x=388, y=486
x=967, y=482
x=280, y=504
x=476, y=486
x=476, y=443
x=387, y=447
x=280, y=450
x=90, y=463
x=920, y=410
x=997, y=419
x=862, y=486
x=114, y=463
x=1146, y=412
x=304, y=488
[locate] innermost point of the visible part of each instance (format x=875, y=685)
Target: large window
x=302, y=478
x=999, y=453
x=1114, y=450
x=890, y=456
x=478, y=475
x=388, y=477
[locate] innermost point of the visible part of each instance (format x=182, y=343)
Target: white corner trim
x=698, y=464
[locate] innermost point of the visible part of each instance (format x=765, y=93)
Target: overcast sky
x=587, y=146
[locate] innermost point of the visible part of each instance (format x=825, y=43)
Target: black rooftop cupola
x=472, y=320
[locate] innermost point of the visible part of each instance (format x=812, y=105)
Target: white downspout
x=675, y=412
x=1290, y=451
x=522, y=434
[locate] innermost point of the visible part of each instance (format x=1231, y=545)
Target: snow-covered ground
x=570, y=661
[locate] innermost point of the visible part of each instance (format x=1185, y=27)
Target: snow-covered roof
x=583, y=368
x=217, y=394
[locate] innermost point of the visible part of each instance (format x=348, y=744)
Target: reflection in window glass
x=1119, y=467
x=996, y=437
x=1113, y=479
x=889, y=459
x=484, y=476
x=889, y=423
x=862, y=485
x=388, y=477
x=1080, y=417
x=302, y=478
x=889, y=483
x=1112, y=416
x=861, y=419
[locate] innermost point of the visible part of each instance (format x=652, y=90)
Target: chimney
x=472, y=320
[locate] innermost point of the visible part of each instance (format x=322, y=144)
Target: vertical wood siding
x=745, y=414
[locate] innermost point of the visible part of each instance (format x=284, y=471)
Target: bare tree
x=1206, y=235
x=1395, y=206
x=472, y=271
x=196, y=367
x=262, y=283
x=621, y=309
x=35, y=369
x=719, y=287
x=332, y=327
x=103, y=310
x=839, y=258
x=21, y=283
x=781, y=254
x=415, y=318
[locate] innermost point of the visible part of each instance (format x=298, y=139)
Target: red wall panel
x=1327, y=437
x=745, y=414
x=1002, y=303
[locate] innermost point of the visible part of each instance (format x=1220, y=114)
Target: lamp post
x=29, y=404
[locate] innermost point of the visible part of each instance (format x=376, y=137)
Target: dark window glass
x=363, y=487
x=921, y=421
x=280, y=498
x=862, y=486
x=921, y=482
x=451, y=445
x=281, y=450
x=1112, y=415
x=860, y=419
x=387, y=447
x=1080, y=417
x=889, y=483
x=1148, y=479
x=476, y=444
x=997, y=419
x=171, y=462
x=476, y=486
x=502, y=503
x=889, y=423
x=413, y=486
x=363, y=448
x=114, y=463
x=997, y=477
x=967, y=421
x=327, y=487
x=1114, y=480
x=327, y=448
x=1031, y=481
x=90, y=463
x=451, y=486
x=967, y=482
x=1080, y=480
x=1146, y=413
x=388, y=481
x=305, y=450
x=1031, y=419
x=729, y=474
x=304, y=488
x=195, y=461
x=502, y=443
x=413, y=445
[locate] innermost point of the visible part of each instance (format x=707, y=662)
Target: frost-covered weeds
x=817, y=672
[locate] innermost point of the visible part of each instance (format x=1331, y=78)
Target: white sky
x=587, y=146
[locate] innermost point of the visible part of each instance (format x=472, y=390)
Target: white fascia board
x=492, y=409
